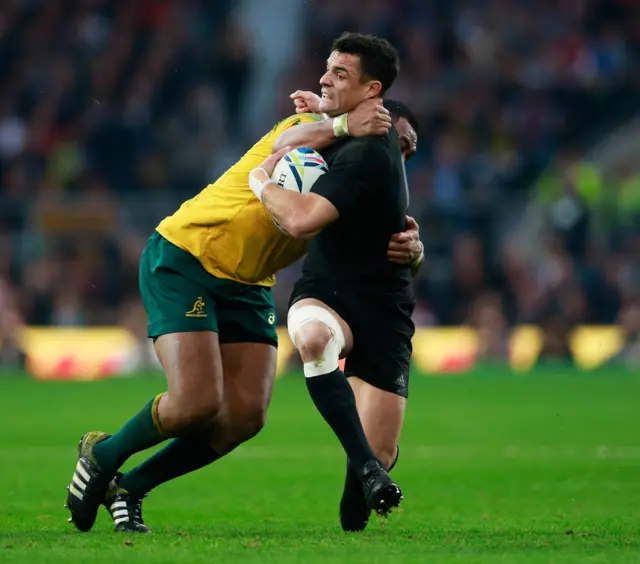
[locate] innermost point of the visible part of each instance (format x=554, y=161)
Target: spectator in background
x=629, y=355
x=493, y=335
x=11, y=323
x=111, y=113
x=556, y=343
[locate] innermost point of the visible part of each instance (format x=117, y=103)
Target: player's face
x=342, y=87
x=407, y=136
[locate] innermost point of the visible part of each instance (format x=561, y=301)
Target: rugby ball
x=298, y=171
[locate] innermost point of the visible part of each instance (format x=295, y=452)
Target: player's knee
x=249, y=423
x=312, y=340
x=232, y=428
x=318, y=337
x=194, y=410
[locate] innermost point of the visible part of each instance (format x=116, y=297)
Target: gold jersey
x=226, y=227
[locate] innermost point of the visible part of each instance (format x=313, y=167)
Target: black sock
x=181, y=456
x=334, y=399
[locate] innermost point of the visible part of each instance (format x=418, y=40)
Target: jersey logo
x=198, y=309
x=272, y=318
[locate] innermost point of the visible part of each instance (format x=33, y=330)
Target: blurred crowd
x=113, y=112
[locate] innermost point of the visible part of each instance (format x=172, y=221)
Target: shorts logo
x=198, y=309
x=400, y=381
x=272, y=318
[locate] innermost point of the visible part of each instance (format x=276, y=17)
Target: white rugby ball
x=298, y=171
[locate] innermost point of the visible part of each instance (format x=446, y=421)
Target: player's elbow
x=299, y=227
x=280, y=142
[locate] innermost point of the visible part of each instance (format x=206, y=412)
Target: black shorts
x=382, y=331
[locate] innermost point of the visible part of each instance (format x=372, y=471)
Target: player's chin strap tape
x=328, y=361
x=258, y=178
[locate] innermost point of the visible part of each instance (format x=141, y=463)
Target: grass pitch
x=536, y=468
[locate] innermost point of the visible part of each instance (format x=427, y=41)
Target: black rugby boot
x=381, y=492
x=125, y=510
x=88, y=485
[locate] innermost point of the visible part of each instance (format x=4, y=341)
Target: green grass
x=536, y=468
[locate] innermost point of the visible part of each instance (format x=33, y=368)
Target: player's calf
x=382, y=414
x=319, y=336
x=232, y=428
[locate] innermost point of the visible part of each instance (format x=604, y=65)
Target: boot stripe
x=80, y=470
x=78, y=482
x=118, y=504
x=120, y=513
x=74, y=491
x=121, y=520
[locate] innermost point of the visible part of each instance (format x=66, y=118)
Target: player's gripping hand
x=369, y=118
x=406, y=247
x=306, y=102
x=261, y=175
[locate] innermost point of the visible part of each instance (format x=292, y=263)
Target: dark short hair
x=401, y=110
x=379, y=60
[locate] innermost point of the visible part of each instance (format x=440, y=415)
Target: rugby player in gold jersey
x=205, y=280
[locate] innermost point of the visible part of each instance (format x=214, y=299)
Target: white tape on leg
x=328, y=361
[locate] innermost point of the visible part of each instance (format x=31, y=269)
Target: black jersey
x=367, y=185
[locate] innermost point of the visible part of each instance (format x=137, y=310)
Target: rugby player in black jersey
x=351, y=301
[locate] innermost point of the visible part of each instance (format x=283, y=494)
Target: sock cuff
x=154, y=414
x=395, y=460
x=326, y=380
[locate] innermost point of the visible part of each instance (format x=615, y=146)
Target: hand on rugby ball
x=306, y=102
x=369, y=118
x=406, y=247
x=272, y=160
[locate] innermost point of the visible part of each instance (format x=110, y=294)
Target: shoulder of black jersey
x=370, y=144
x=376, y=148
x=361, y=151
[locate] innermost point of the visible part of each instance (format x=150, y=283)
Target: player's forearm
x=294, y=212
x=318, y=135
x=290, y=210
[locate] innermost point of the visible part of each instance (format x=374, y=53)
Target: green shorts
x=180, y=296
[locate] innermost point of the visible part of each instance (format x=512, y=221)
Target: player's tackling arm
x=302, y=216
x=334, y=193
x=369, y=118
x=317, y=135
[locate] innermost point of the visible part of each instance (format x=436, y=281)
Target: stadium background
x=526, y=186
x=526, y=182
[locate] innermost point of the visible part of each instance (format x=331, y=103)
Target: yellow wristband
x=340, y=126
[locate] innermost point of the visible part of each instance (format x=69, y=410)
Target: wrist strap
x=257, y=185
x=340, y=126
